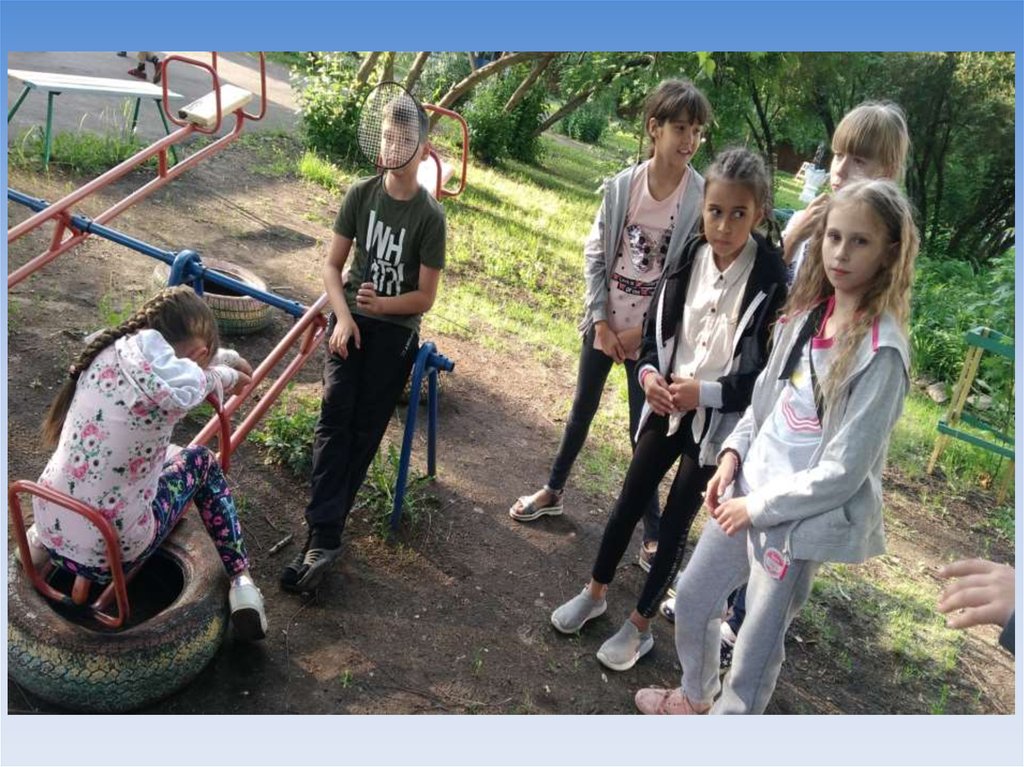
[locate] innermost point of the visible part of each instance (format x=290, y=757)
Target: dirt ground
x=453, y=617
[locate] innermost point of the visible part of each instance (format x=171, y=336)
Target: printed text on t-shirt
x=385, y=254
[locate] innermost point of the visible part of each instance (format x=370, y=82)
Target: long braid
x=153, y=314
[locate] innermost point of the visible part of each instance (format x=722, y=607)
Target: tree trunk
x=417, y=69
x=578, y=100
x=388, y=73
x=527, y=83
x=366, y=68
x=472, y=61
x=465, y=85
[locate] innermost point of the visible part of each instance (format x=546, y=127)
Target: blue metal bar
x=432, y=424
x=190, y=263
x=428, y=361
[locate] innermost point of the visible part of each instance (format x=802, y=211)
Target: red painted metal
x=309, y=330
x=60, y=210
x=119, y=584
x=465, y=151
x=117, y=591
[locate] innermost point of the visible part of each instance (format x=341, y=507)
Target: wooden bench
x=53, y=84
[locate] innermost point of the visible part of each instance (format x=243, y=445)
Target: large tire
x=236, y=315
x=103, y=672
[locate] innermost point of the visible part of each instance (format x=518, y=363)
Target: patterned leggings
x=193, y=474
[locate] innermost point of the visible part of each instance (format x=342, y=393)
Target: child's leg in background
x=654, y=456
x=195, y=474
x=757, y=658
x=738, y=605
x=590, y=379
x=718, y=565
x=390, y=352
x=683, y=502
x=652, y=510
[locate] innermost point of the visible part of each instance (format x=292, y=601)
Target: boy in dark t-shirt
x=396, y=231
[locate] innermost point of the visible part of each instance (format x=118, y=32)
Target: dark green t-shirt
x=394, y=237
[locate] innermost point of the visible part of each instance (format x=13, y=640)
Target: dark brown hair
x=676, y=100
x=178, y=314
x=739, y=165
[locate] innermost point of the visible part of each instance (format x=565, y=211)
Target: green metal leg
x=167, y=128
x=135, y=117
x=17, y=103
x=49, y=128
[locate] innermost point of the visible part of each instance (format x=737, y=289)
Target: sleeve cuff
x=642, y=372
x=710, y=394
x=228, y=357
x=755, y=508
x=599, y=313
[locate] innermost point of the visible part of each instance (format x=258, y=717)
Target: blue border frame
x=533, y=25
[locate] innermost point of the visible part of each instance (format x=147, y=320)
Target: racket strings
x=390, y=126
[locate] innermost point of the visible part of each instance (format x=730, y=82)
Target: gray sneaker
x=623, y=650
x=570, y=617
x=316, y=563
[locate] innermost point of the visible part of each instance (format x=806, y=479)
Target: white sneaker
x=39, y=554
x=247, y=613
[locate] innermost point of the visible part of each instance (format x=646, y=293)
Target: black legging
x=654, y=455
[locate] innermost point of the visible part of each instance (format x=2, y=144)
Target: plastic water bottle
x=813, y=179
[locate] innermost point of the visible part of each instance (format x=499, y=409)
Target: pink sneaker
x=654, y=700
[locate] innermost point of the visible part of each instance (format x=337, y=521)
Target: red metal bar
x=311, y=328
x=465, y=150
x=169, y=175
x=216, y=90
x=119, y=584
x=96, y=184
x=263, y=87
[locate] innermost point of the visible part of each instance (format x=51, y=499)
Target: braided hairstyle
x=739, y=165
x=177, y=313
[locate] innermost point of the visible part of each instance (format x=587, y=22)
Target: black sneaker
x=295, y=569
x=316, y=563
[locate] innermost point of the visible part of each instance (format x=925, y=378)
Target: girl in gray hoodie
x=804, y=464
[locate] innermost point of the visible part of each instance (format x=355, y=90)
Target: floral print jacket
x=114, y=440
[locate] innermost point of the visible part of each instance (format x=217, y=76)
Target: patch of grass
x=859, y=616
x=787, y=191
x=276, y=151
x=376, y=497
x=345, y=679
x=913, y=440
x=82, y=152
x=323, y=173
x=286, y=434
x=116, y=305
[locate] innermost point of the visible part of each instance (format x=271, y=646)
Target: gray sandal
x=529, y=511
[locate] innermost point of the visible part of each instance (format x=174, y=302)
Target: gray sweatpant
x=719, y=565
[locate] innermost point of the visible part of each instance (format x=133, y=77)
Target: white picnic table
x=54, y=83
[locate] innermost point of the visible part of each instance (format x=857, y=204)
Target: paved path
x=105, y=114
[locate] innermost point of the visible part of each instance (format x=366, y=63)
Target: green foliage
x=377, y=495
x=286, y=433
x=951, y=297
x=321, y=172
x=441, y=72
x=330, y=100
x=88, y=154
x=495, y=136
x=586, y=124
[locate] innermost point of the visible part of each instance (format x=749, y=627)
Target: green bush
x=586, y=124
x=442, y=71
x=330, y=100
x=286, y=433
x=949, y=299
x=494, y=135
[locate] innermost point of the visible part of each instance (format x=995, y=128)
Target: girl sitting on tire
x=111, y=424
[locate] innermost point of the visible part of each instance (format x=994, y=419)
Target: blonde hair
x=178, y=314
x=878, y=131
x=889, y=291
